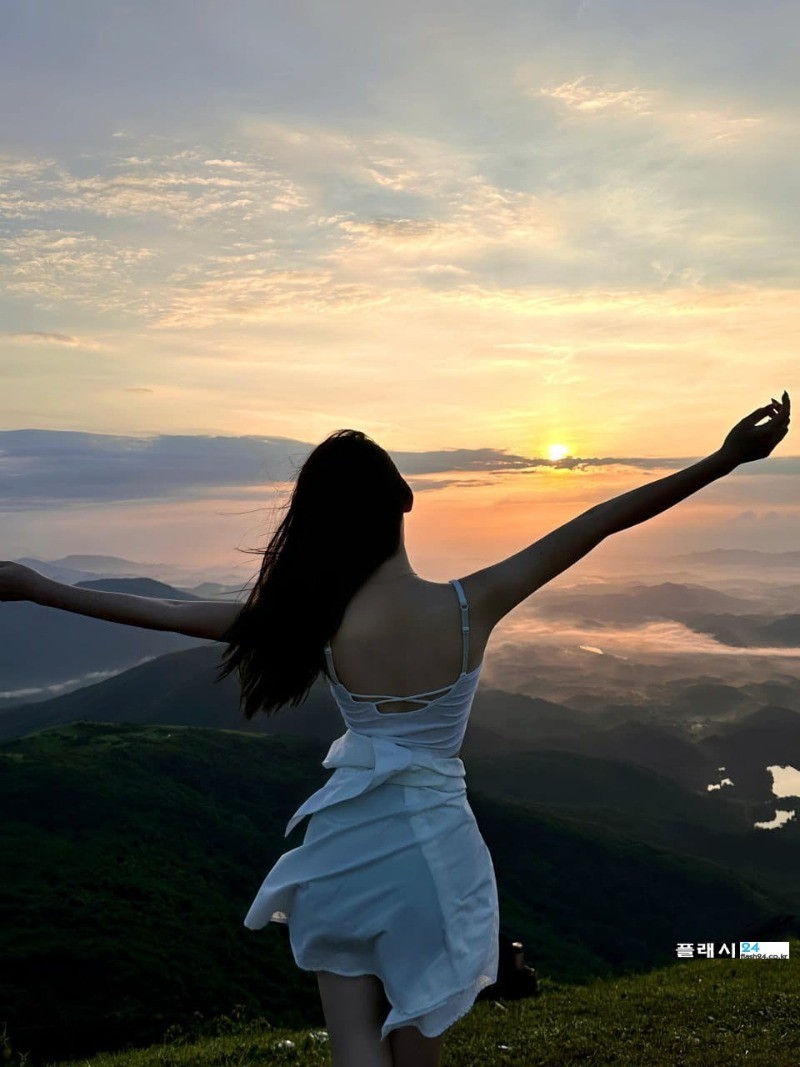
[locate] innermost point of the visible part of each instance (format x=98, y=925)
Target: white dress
x=393, y=877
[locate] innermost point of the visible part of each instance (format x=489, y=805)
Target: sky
x=489, y=234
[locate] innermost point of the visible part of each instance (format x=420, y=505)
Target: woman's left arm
x=209, y=619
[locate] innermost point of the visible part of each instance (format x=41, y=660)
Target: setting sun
x=558, y=451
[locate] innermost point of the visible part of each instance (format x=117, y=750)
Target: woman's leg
x=410, y=1048
x=354, y=1008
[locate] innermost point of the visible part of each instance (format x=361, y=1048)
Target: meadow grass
x=693, y=1013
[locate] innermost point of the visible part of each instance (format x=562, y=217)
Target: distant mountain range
x=727, y=618
x=750, y=631
x=76, y=568
x=728, y=556
x=639, y=601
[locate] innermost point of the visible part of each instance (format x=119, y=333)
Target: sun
x=558, y=451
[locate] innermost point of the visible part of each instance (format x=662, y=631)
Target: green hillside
x=693, y=1014
x=644, y=804
x=131, y=854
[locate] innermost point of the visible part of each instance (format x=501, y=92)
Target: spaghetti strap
x=462, y=599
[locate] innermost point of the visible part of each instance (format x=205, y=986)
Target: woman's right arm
x=746, y=442
x=644, y=502
x=499, y=588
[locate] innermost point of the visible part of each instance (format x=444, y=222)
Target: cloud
x=579, y=96
x=699, y=127
x=58, y=265
x=257, y=296
x=51, y=468
x=183, y=186
x=305, y=215
x=34, y=337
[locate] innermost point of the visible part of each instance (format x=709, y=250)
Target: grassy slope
x=693, y=1014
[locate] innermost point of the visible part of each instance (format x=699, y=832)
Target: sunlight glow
x=558, y=451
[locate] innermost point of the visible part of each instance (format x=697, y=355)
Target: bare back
x=404, y=636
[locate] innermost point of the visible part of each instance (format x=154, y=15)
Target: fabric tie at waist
x=363, y=761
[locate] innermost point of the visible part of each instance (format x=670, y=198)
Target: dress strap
x=464, y=620
x=329, y=658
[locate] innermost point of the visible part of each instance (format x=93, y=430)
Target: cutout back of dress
x=439, y=725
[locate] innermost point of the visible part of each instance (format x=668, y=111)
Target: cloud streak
x=45, y=468
x=40, y=337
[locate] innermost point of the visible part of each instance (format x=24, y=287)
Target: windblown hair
x=344, y=520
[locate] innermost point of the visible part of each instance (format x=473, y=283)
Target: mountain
x=644, y=745
x=749, y=631
x=754, y=556
x=510, y=720
x=638, y=602
x=43, y=649
x=71, y=569
x=217, y=591
x=75, y=568
x=132, y=853
x=573, y=782
x=769, y=736
x=710, y=697
x=590, y=790
x=181, y=689
x=770, y=716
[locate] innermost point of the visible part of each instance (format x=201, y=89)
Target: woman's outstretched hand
x=747, y=442
x=18, y=582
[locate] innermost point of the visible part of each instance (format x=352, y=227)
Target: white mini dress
x=393, y=877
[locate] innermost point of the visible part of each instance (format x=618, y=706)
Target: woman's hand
x=747, y=442
x=18, y=582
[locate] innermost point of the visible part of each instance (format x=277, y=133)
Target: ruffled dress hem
x=431, y=1021
x=434, y=1021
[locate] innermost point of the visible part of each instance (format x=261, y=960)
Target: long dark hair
x=344, y=520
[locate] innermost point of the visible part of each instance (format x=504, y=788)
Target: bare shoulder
x=497, y=589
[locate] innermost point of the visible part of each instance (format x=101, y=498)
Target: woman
x=391, y=899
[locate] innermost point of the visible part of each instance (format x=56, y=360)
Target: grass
x=694, y=1013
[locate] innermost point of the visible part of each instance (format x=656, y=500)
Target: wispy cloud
x=40, y=337
x=258, y=296
x=300, y=206
x=183, y=186
x=582, y=97
x=701, y=127
x=55, y=266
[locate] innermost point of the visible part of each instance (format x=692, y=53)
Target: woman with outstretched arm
x=392, y=897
